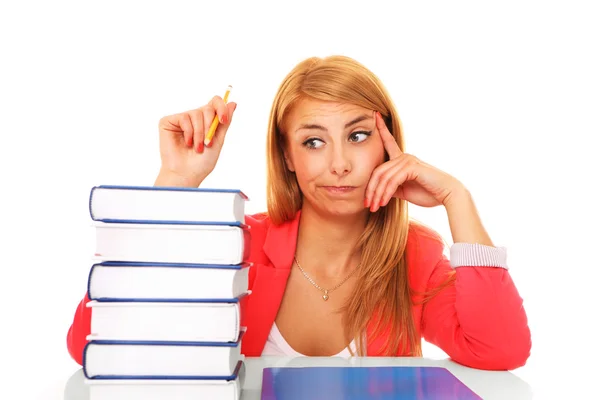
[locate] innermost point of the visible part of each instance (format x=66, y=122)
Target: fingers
x=219, y=137
x=389, y=142
x=201, y=120
x=178, y=125
x=384, y=182
x=390, y=189
x=187, y=127
x=220, y=107
x=377, y=176
x=386, y=178
x=223, y=111
x=192, y=126
x=221, y=129
x=197, y=118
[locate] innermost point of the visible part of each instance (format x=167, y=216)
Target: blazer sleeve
x=479, y=320
x=79, y=330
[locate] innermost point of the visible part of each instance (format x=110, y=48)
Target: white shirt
x=277, y=346
x=461, y=255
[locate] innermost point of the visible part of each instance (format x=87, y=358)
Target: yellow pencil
x=213, y=127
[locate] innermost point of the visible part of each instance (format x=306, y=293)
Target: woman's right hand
x=186, y=161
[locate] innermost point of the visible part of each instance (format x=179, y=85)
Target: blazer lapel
x=269, y=285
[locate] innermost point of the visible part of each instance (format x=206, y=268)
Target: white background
x=503, y=95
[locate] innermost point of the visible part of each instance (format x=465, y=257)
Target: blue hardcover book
x=169, y=389
x=167, y=320
x=152, y=359
x=137, y=281
x=167, y=205
x=354, y=383
x=172, y=243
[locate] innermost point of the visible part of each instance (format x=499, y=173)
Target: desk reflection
x=490, y=385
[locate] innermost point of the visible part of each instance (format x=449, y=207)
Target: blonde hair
x=384, y=289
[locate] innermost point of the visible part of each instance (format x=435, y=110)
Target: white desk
x=490, y=385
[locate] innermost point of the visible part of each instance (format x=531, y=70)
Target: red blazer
x=479, y=321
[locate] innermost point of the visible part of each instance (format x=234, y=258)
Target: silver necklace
x=325, y=291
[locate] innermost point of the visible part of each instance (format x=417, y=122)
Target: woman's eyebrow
x=322, y=128
x=357, y=120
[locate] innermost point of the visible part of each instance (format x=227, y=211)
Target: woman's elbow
x=509, y=354
x=75, y=347
x=518, y=350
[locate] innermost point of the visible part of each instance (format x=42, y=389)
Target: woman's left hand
x=406, y=177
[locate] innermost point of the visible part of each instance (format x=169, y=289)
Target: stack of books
x=165, y=293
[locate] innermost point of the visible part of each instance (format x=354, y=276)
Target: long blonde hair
x=384, y=285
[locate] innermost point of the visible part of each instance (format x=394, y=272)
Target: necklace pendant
x=325, y=296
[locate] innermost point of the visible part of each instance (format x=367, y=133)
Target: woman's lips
x=339, y=189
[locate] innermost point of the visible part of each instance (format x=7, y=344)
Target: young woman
x=339, y=268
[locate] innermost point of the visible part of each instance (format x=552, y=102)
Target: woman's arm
x=79, y=330
x=479, y=321
x=465, y=224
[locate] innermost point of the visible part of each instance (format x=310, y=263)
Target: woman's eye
x=359, y=136
x=313, y=143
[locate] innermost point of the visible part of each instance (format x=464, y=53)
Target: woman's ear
x=288, y=161
x=283, y=146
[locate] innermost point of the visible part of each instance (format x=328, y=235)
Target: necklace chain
x=325, y=291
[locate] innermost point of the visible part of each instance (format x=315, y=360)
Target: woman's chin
x=345, y=209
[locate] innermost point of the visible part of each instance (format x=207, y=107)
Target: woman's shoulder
x=424, y=244
x=419, y=231
x=268, y=239
x=259, y=220
x=424, y=251
x=258, y=226
x=262, y=221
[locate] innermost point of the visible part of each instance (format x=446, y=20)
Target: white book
x=165, y=321
x=167, y=389
x=179, y=243
x=113, y=203
x=126, y=281
x=108, y=359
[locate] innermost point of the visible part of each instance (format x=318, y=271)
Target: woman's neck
x=326, y=245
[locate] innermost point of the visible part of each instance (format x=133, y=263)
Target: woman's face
x=332, y=148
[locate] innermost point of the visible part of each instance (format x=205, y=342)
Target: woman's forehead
x=309, y=110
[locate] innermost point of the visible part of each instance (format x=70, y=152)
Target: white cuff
x=477, y=255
